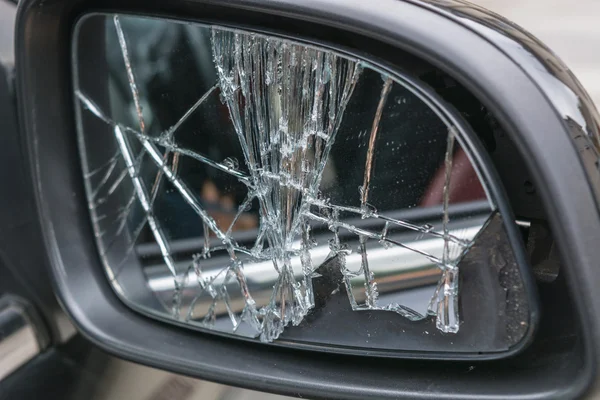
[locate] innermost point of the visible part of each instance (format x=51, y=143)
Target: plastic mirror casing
x=481, y=52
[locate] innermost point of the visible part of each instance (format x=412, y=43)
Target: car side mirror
x=323, y=199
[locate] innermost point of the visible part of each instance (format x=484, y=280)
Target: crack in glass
x=286, y=102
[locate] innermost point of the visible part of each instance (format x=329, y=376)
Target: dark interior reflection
x=411, y=145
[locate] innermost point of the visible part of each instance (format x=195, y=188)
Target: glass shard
x=286, y=120
x=248, y=181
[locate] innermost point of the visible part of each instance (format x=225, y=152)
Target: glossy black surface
x=558, y=83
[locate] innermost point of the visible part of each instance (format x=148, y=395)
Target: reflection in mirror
x=245, y=183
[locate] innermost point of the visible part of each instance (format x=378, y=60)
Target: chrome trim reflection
x=413, y=272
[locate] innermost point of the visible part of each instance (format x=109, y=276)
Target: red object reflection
x=465, y=185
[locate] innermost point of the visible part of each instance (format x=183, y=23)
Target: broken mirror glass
x=275, y=190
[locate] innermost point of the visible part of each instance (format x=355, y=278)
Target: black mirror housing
x=514, y=76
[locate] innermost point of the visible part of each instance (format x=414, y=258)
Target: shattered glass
x=224, y=169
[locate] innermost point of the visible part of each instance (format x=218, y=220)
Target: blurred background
x=570, y=28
